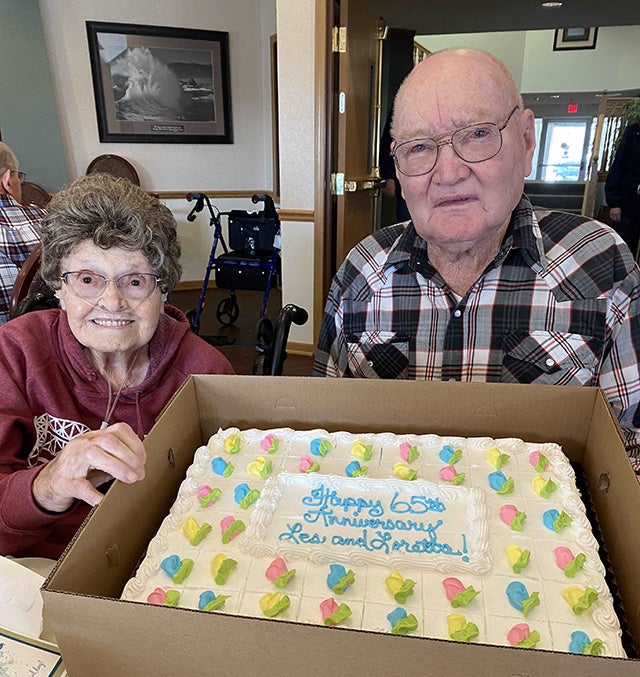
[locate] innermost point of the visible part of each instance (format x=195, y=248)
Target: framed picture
x=575, y=38
x=160, y=85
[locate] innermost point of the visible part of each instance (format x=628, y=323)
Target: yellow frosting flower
x=394, y=582
x=232, y=444
x=361, y=450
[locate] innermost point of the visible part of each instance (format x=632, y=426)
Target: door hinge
x=337, y=183
x=339, y=39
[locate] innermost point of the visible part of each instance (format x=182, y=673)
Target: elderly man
x=19, y=227
x=479, y=286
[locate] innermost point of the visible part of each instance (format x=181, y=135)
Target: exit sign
x=572, y=108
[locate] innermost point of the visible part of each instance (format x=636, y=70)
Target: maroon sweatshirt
x=50, y=392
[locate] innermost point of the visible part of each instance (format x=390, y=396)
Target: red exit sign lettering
x=572, y=108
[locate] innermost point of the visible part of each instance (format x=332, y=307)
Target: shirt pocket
x=551, y=358
x=378, y=354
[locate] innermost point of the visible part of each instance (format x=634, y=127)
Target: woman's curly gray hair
x=112, y=212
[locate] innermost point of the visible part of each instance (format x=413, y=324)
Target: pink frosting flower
x=518, y=633
x=158, y=596
x=447, y=473
x=452, y=587
x=276, y=569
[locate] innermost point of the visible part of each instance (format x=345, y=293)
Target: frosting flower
x=221, y=567
x=519, y=598
x=449, y=455
x=581, y=644
x=521, y=635
x=402, y=471
x=244, y=496
x=518, y=559
x=339, y=579
x=208, y=496
x=319, y=447
x=278, y=573
x=499, y=483
x=497, y=458
x=222, y=467
x=567, y=562
x=539, y=461
x=543, y=487
x=556, y=521
x=408, y=452
x=361, y=451
x=261, y=467
x=399, y=587
x=270, y=444
x=233, y=444
x=274, y=603
x=231, y=527
x=307, y=464
x=579, y=599
x=195, y=532
x=512, y=517
x=162, y=598
x=451, y=475
x=354, y=469
x=176, y=568
x=460, y=630
x=208, y=601
x=456, y=592
x=401, y=622
x=332, y=613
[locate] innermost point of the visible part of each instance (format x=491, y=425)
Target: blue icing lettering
x=297, y=536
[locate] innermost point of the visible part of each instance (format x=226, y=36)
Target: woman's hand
x=86, y=462
x=615, y=214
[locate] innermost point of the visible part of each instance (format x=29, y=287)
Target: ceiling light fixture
x=551, y=4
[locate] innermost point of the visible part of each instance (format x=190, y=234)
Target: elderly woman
x=81, y=386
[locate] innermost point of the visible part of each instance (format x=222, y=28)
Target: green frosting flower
x=236, y=527
x=227, y=566
x=250, y=498
x=284, y=578
x=561, y=522
x=183, y=571
x=201, y=534
x=530, y=641
x=347, y=580
x=340, y=614
x=405, y=625
x=585, y=601
x=172, y=598
x=523, y=561
x=542, y=463
x=406, y=589
x=458, y=478
x=548, y=489
x=594, y=648
x=278, y=608
x=463, y=598
x=530, y=603
x=216, y=603
x=575, y=565
x=466, y=634
x=507, y=487
x=517, y=522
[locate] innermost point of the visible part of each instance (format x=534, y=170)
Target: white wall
x=245, y=164
x=529, y=55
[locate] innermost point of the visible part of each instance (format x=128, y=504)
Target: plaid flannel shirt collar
x=522, y=234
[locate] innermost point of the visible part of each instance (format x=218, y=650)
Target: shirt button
x=549, y=362
x=370, y=363
x=457, y=313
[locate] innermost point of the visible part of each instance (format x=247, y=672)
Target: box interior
x=81, y=594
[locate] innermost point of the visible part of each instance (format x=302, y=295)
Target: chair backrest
x=114, y=165
x=27, y=282
x=33, y=194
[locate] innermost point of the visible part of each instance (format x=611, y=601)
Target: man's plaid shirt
x=19, y=234
x=559, y=304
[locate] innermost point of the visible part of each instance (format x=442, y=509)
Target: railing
x=419, y=53
x=608, y=127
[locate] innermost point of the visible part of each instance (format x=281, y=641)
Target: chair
x=29, y=290
x=33, y=194
x=114, y=165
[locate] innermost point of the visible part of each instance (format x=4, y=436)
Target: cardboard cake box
x=99, y=634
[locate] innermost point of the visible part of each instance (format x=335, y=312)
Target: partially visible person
x=83, y=385
x=622, y=188
x=19, y=227
x=479, y=286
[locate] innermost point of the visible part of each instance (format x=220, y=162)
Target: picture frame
x=575, y=38
x=155, y=84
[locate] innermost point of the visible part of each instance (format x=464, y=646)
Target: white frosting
x=296, y=518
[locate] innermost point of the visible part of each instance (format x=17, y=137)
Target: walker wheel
x=191, y=316
x=261, y=365
x=227, y=311
x=264, y=332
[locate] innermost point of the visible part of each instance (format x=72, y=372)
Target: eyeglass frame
x=21, y=175
x=155, y=276
x=449, y=142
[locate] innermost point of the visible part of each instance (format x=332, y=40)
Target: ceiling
x=483, y=16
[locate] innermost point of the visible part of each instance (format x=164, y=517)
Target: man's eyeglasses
x=475, y=143
x=21, y=175
x=86, y=284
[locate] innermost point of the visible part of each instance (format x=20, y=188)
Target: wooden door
x=355, y=171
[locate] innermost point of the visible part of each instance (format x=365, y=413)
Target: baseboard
x=193, y=285
x=296, y=348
